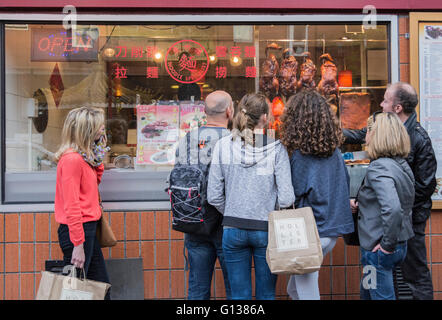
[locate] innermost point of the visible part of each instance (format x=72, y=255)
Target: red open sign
x=62, y=45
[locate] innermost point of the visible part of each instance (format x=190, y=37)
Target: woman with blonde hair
x=385, y=202
x=77, y=207
x=249, y=175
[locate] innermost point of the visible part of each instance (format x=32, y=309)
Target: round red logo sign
x=187, y=61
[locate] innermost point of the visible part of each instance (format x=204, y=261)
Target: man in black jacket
x=401, y=98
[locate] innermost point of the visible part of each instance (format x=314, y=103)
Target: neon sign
x=186, y=61
x=61, y=45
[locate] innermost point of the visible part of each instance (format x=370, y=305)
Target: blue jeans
x=239, y=246
x=377, y=280
x=202, y=256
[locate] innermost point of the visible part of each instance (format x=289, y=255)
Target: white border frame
x=197, y=18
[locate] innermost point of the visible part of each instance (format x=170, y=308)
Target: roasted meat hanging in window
x=287, y=74
x=269, y=83
x=354, y=109
x=328, y=86
x=308, y=72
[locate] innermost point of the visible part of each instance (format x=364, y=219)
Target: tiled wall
x=28, y=239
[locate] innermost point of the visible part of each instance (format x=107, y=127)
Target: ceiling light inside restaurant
x=235, y=61
x=109, y=52
x=158, y=56
x=213, y=58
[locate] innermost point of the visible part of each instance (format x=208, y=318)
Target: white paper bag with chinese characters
x=294, y=245
x=55, y=286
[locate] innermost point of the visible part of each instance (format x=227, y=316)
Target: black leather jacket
x=422, y=162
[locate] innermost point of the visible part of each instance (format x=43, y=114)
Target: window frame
x=391, y=22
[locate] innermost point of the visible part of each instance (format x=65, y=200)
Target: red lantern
x=277, y=107
x=345, y=78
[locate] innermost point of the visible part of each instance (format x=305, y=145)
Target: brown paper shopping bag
x=55, y=286
x=294, y=245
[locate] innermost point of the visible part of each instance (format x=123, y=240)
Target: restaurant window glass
x=151, y=81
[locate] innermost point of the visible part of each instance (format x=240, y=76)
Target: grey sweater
x=246, y=183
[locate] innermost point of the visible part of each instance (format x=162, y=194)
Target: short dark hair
x=406, y=96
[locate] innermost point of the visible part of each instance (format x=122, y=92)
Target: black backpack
x=188, y=192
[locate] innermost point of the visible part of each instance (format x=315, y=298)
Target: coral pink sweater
x=76, y=194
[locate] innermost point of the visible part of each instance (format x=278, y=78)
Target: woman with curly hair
x=312, y=136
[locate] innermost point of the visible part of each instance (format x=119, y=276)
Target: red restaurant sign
x=191, y=61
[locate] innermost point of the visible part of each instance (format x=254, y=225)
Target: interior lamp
x=213, y=58
x=345, y=78
x=235, y=61
x=109, y=52
x=158, y=56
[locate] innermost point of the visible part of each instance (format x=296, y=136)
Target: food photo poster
x=159, y=128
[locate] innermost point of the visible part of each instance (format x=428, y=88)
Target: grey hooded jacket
x=246, y=183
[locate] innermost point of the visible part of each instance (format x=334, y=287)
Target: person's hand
x=378, y=247
x=103, y=139
x=353, y=206
x=78, y=257
x=101, y=134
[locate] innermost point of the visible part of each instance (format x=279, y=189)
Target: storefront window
x=151, y=81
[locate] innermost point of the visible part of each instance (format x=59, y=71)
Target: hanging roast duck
x=328, y=86
x=287, y=74
x=269, y=83
x=308, y=72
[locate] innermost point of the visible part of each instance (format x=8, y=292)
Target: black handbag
x=352, y=239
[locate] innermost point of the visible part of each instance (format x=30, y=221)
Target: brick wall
x=404, y=49
x=28, y=239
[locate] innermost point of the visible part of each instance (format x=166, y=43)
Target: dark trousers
x=94, y=266
x=414, y=268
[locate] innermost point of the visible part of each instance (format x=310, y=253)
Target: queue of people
x=250, y=174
